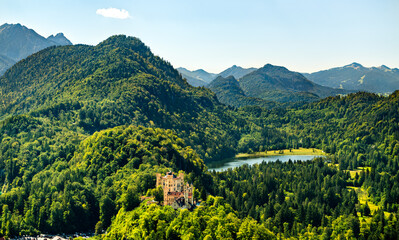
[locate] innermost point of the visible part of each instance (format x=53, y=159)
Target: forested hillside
x=85, y=189
x=274, y=83
x=354, y=76
x=84, y=129
x=228, y=91
x=360, y=132
x=17, y=42
x=114, y=83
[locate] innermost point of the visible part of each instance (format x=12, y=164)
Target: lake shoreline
x=299, y=151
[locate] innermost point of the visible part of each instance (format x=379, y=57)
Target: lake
x=236, y=162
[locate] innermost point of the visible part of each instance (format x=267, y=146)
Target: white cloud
x=113, y=13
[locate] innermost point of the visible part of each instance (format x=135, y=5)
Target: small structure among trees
x=176, y=192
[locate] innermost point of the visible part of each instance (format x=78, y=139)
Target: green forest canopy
x=83, y=135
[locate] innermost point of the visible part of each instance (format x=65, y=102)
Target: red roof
x=175, y=193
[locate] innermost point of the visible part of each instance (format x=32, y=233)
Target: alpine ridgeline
x=274, y=83
x=117, y=82
x=17, y=42
x=200, y=77
x=356, y=77
x=228, y=91
x=236, y=71
x=197, y=78
x=69, y=163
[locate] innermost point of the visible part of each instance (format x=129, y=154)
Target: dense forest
x=84, y=129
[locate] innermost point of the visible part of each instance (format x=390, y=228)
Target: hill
x=236, y=71
x=200, y=77
x=117, y=82
x=197, y=78
x=274, y=83
x=17, y=42
x=74, y=158
x=356, y=77
x=228, y=91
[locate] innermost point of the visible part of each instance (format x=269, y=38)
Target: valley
x=83, y=135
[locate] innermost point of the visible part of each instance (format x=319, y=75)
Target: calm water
x=236, y=162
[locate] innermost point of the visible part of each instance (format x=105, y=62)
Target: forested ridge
x=83, y=134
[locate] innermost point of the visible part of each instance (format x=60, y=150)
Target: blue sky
x=302, y=35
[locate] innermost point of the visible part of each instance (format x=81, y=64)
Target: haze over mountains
x=354, y=77
x=84, y=129
x=269, y=84
x=249, y=86
x=17, y=42
x=200, y=77
x=229, y=92
x=197, y=78
x=357, y=77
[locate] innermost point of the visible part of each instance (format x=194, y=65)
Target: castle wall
x=174, y=188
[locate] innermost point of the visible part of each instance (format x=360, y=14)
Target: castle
x=175, y=192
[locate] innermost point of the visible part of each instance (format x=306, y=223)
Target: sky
x=302, y=35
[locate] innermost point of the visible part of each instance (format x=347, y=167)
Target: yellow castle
x=175, y=192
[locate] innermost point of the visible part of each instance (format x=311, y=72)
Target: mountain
x=81, y=142
x=5, y=63
x=274, y=83
x=17, y=42
x=117, y=82
x=200, y=77
x=357, y=77
x=59, y=39
x=236, y=71
x=197, y=78
x=228, y=91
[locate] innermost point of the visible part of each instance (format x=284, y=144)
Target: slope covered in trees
x=106, y=172
x=117, y=82
x=274, y=83
x=214, y=219
x=360, y=132
x=228, y=91
x=17, y=42
x=73, y=156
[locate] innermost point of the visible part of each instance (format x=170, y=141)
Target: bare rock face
x=17, y=42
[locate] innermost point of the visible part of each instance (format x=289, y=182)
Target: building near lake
x=176, y=192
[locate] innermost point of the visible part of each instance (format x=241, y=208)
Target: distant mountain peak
x=274, y=67
x=196, y=78
x=60, y=39
x=200, y=71
x=384, y=67
x=236, y=71
x=354, y=65
x=17, y=42
x=354, y=76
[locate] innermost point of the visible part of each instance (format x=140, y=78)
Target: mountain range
x=229, y=92
x=200, y=77
x=197, y=78
x=17, y=42
x=275, y=83
x=119, y=81
x=269, y=84
x=84, y=129
x=357, y=77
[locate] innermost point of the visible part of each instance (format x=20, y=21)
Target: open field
x=358, y=171
x=300, y=151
